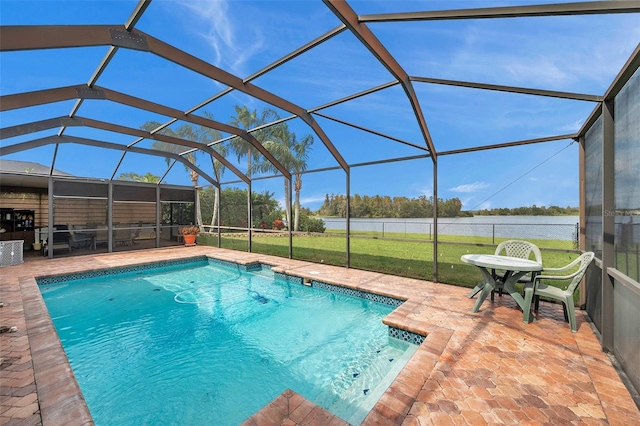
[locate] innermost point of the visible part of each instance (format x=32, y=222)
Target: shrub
x=311, y=224
x=190, y=230
x=278, y=224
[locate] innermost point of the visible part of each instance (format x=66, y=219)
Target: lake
x=521, y=227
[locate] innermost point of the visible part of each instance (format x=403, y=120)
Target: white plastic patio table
x=516, y=268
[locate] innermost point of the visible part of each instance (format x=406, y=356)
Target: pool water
x=211, y=344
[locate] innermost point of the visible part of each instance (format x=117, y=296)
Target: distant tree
x=530, y=211
x=378, y=206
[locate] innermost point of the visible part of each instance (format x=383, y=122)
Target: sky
x=580, y=54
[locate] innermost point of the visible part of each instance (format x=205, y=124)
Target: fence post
x=493, y=233
x=576, y=242
x=382, y=229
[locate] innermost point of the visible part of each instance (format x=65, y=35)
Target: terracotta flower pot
x=189, y=240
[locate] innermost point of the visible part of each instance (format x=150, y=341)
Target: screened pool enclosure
x=123, y=122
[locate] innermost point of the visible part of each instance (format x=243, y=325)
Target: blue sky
x=573, y=54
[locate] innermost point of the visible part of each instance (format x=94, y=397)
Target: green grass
x=407, y=258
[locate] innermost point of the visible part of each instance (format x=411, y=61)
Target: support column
x=249, y=208
x=50, y=221
x=110, y=216
x=348, y=218
x=582, y=218
x=608, y=224
x=219, y=189
x=289, y=200
x=158, y=215
x=435, y=221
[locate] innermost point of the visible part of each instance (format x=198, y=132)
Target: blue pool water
x=210, y=344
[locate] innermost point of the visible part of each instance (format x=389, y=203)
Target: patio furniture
x=537, y=289
x=123, y=236
x=79, y=239
x=515, y=268
x=102, y=235
x=61, y=239
x=512, y=248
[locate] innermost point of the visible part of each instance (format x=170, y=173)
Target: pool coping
x=58, y=388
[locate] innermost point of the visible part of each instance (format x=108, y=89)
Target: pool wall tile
x=119, y=270
x=255, y=266
x=358, y=293
x=405, y=335
x=287, y=277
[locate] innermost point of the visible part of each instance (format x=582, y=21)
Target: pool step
x=355, y=402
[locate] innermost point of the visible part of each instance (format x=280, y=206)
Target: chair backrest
x=519, y=248
x=102, y=233
x=583, y=262
x=122, y=233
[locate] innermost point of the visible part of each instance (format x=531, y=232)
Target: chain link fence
x=493, y=233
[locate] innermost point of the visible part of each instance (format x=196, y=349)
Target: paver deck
x=472, y=369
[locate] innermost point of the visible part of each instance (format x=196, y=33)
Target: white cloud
x=484, y=206
x=575, y=53
x=426, y=191
x=470, y=187
x=232, y=45
x=312, y=199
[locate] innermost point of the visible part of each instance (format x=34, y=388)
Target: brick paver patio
x=472, y=369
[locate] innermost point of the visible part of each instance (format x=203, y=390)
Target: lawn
x=409, y=257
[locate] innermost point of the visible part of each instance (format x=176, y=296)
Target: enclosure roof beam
x=558, y=9
x=627, y=71
x=510, y=144
x=328, y=35
x=27, y=99
x=355, y=95
x=355, y=126
x=510, y=89
x=65, y=121
x=347, y=15
x=6, y=150
x=64, y=36
x=137, y=13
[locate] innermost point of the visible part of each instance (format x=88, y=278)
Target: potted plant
x=189, y=233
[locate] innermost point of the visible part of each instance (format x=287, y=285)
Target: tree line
x=384, y=206
x=530, y=211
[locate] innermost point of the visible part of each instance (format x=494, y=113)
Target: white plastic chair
x=537, y=289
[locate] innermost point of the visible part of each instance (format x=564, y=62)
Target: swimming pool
x=210, y=343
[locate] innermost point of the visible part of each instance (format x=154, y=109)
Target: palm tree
x=201, y=134
x=135, y=177
x=245, y=119
x=291, y=153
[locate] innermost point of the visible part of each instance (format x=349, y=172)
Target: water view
x=525, y=227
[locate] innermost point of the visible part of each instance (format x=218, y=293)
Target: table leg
x=510, y=286
x=489, y=286
x=477, y=289
x=527, y=300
